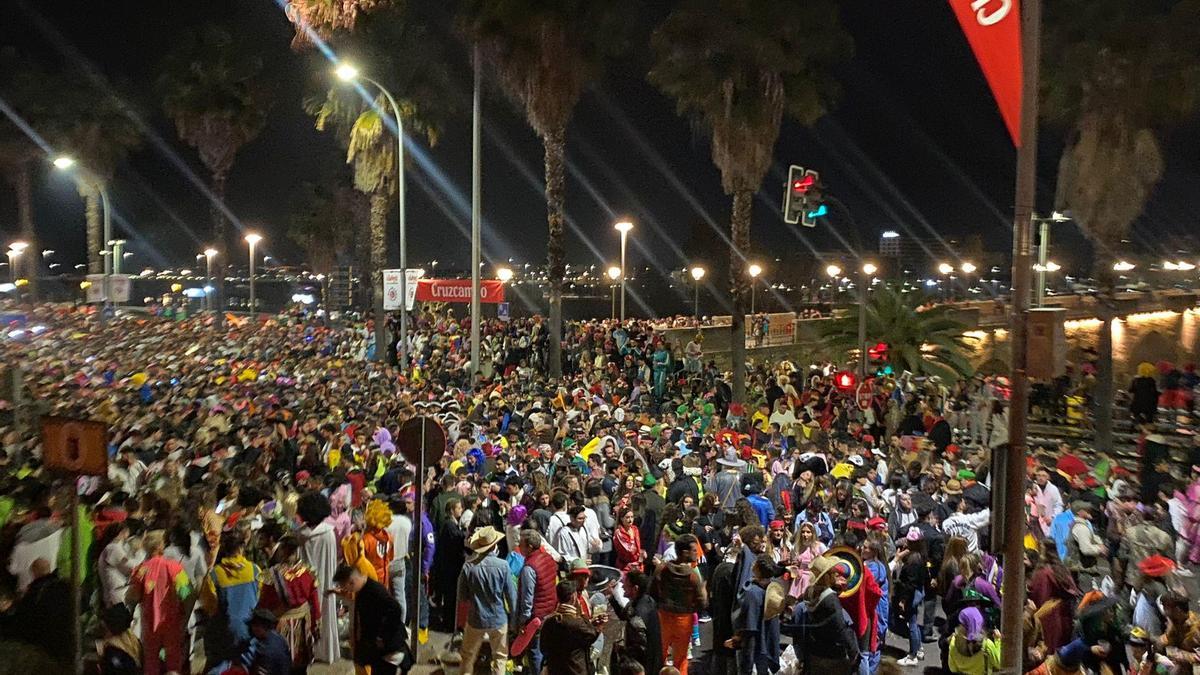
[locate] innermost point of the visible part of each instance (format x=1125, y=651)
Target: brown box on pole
x=1047, y=343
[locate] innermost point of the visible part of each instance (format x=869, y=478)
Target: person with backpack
x=821, y=630
x=972, y=652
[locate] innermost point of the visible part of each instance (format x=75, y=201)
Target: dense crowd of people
x=257, y=515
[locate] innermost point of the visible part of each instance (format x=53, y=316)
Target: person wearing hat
x=485, y=586
x=1142, y=540
x=971, y=651
x=1068, y=660
x=757, y=625
x=727, y=483
x=1087, y=555
x=822, y=636
x=266, y=653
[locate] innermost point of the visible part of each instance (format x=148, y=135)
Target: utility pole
x=1011, y=462
x=476, y=215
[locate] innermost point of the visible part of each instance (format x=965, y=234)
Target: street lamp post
x=15, y=250
x=833, y=271
x=623, y=227
x=868, y=271
x=348, y=73
x=1043, y=253
x=697, y=275
x=754, y=270
x=252, y=239
x=209, y=254
x=614, y=273
x=968, y=268
x=64, y=163
x=946, y=269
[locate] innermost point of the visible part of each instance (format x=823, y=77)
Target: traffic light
x=814, y=206
x=877, y=354
x=844, y=380
x=794, y=201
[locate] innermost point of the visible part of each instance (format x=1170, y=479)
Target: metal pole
x=252, y=277
x=418, y=525
x=403, y=232
x=208, y=282
x=753, y=294
x=476, y=213
x=624, y=234
x=1043, y=258
x=1013, y=461
x=104, y=286
x=12, y=266
x=76, y=581
x=613, y=313
x=862, y=325
x=696, y=309
x=118, y=252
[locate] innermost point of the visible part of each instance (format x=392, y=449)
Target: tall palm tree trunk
x=23, y=186
x=217, y=219
x=379, y=211
x=743, y=201
x=554, y=142
x=95, y=228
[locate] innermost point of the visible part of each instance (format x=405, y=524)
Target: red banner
x=458, y=290
x=993, y=29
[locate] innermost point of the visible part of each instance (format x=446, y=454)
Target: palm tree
x=737, y=67
x=95, y=124
x=18, y=153
x=402, y=58
x=1124, y=75
x=544, y=54
x=326, y=221
x=921, y=341
x=212, y=88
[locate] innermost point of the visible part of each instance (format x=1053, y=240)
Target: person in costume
x=161, y=588
x=290, y=593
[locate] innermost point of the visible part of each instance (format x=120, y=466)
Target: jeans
x=749, y=660
x=915, y=635
x=423, y=601
x=399, y=589
x=535, y=653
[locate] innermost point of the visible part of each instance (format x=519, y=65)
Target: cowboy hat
x=823, y=565
x=776, y=594
x=731, y=459
x=484, y=539
x=953, y=487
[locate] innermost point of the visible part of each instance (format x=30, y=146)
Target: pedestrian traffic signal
x=814, y=206
x=844, y=380
x=878, y=351
x=800, y=181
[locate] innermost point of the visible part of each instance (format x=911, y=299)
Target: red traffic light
x=844, y=379
x=802, y=184
x=879, y=351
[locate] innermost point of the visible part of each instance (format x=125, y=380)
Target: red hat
x=777, y=525
x=1071, y=465
x=877, y=523
x=1157, y=566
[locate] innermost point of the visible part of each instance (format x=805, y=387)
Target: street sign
x=502, y=312
x=391, y=288
x=341, y=288
x=421, y=440
x=118, y=288
x=77, y=447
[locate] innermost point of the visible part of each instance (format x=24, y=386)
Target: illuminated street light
x=1184, y=266
x=614, y=273
x=64, y=162
x=833, y=271
x=346, y=72
x=890, y=234
x=754, y=270
x=945, y=268
x=504, y=274
x=623, y=227
x=252, y=239
x=869, y=269
x=1123, y=266
x=968, y=268
x=697, y=275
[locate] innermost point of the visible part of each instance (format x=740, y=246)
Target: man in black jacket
x=377, y=636
x=643, y=641
x=42, y=616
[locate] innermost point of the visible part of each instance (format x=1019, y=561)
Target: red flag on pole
x=993, y=29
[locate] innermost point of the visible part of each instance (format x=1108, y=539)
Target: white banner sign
x=391, y=289
x=118, y=286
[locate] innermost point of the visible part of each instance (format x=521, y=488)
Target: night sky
x=915, y=145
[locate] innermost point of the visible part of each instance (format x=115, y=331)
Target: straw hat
x=776, y=594
x=484, y=539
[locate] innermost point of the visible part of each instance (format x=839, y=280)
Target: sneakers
x=921, y=655
x=908, y=661
x=704, y=618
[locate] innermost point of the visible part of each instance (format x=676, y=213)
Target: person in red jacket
x=627, y=541
x=290, y=593
x=536, y=595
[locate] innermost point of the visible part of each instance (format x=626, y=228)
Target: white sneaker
x=907, y=661
x=921, y=655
